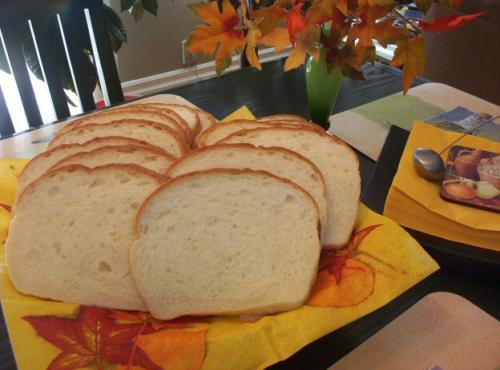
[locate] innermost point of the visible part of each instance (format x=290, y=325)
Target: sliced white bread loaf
x=217, y=132
x=80, y=225
x=147, y=157
x=45, y=160
x=336, y=161
x=132, y=113
x=189, y=114
x=278, y=161
x=152, y=133
x=225, y=242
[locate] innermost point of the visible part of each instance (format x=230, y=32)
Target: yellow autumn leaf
x=253, y=36
x=277, y=38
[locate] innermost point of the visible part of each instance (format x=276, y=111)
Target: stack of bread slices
x=157, y=207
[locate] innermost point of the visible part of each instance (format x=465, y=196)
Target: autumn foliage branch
x=345, y=29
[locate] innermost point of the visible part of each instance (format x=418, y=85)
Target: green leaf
x=126, y=4
x=137, y=11
x=117, y=31
x=150, y=6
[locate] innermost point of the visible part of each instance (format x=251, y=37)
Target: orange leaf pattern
x=91, y=338
x=343, y=280
x=101, y=337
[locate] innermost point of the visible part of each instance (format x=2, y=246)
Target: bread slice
x=336, y=161
x=147, y=157
x=225, y=242
x=132, y=113
x=189, y=114
x=152, y=133
x=278, y=161
x=283, y=117
x=206, y=119
x=221, y=130
x=44, y=161
x=70, y=237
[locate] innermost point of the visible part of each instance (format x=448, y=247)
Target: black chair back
x=77, y=27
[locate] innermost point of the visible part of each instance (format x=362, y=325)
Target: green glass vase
x=322, y=89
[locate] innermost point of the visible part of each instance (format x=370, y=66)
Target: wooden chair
x=71, y=24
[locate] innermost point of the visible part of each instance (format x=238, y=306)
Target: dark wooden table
x=273, y=91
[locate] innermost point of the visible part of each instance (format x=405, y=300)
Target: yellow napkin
x=380, y=262
x=241, y=113
x=415, y=202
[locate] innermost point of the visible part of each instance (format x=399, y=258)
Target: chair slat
x=6, y=126
x=48, y=38
x=73, y=35
x=14, y=10
x=104, y=50
x=12, y=35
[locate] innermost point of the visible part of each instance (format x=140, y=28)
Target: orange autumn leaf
x=320, y=11
x=219, y=36
x=278, y=38
x=175, y=349
x=411, y=55
x=356, y=284
x=343, y=6
x=268, y=18
x=372, y=27
x=305, y=42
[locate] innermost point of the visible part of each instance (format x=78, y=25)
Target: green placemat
x=398, y=109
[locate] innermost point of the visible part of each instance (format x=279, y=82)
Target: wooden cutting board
x=443, y=331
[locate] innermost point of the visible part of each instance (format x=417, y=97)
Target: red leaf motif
x=92, y=337
x=6, y=207
x=334, y=261
x=448, y=23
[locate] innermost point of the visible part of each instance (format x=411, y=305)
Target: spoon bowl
x=428, y=164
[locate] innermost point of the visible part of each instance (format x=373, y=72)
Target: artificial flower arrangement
x=345, y=29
